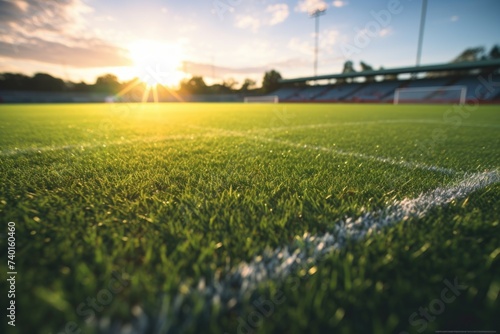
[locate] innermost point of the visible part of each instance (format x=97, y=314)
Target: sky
x=169, y=40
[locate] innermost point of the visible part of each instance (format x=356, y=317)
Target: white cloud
x=22, y=5
x=105, y=18
x=327, y=40
x=248, y=22
x=309, y=6
x=279, y=13
x=49, y=16
x=273, y=15
x=385, y=32
x=454, y=18
x=339, y=3
x=246, y=53
x=92, y=53
x=296, y=44
x=54, y=32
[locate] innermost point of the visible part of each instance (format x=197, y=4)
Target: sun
x=157, y=63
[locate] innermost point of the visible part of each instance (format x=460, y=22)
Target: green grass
x=171, y=193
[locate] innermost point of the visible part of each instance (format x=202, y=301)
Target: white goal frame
x=262, y=99
x=431, y=90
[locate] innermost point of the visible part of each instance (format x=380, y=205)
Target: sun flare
x=157, y=63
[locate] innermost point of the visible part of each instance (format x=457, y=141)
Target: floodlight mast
x=316, y=14
x=421, y=31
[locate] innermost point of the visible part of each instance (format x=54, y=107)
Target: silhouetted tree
x=107, y=83
x=195, y=85
x=366, y=67
x=348, y=68
x=247, y=85
x=495, y=52
x=219, y=89
x=271, y=81
x=46, y=82
x=80, y=87
x=230, y=83
x=470, y=54
x=14, y=81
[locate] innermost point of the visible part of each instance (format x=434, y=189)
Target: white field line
x=280, y=262
x=442, y=122
x=388, y=121
x=31, y=150
x=305, y=252
x=390, y=161
x=361, y=156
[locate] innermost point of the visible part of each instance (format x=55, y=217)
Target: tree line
x=109, y=83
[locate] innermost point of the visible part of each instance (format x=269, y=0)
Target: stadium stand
x=376, y=91
x=477, y=88
x=308, y=93
x=286, y=93
x=339, y=92
x=484, y=86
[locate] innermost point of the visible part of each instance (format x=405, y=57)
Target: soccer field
x=241, y=218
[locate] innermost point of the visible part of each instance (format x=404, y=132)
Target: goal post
x=437, y=94
x=261, y=99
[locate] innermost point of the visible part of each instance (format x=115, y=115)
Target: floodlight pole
x=421, y=33
x=316, y=14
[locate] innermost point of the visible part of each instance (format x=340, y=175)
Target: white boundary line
x=390, y=161
x=402, y=163
x=280, y=262
x=429, y=121
x=215, y=132
x=388, y=121
x=305, y=252
x=31, y=150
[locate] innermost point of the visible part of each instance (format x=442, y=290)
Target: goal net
x=262, y=99
x=438, y=94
